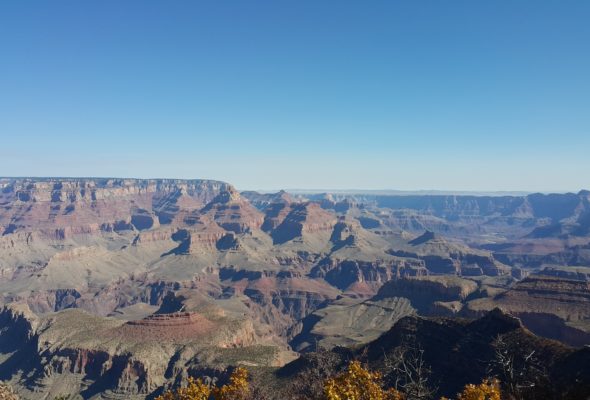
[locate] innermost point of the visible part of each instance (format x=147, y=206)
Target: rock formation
x=120, y=287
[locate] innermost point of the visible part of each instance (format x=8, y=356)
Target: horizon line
x=327, y=190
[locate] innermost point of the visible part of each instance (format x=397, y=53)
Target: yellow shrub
x=237, y=389
x=487, y=390
x=358, y=383
x=195, y=390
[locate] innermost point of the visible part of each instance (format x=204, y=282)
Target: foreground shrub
x=487, y=390
x=355, y=383
x=6, y=392
x=358, y=383
x=237, y=389
x=195, y=390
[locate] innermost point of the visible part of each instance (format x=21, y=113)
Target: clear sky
x=454, y=95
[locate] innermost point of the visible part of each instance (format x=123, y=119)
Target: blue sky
x=451, y=95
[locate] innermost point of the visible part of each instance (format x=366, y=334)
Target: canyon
x=115, y=288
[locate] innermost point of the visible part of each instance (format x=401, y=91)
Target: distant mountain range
x=391, y=192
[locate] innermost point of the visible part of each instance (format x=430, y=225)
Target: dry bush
x=407, y=372
x=6, y=392
x=521, y=373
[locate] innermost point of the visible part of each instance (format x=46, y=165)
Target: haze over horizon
x=458, y=96
x=323, y=189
